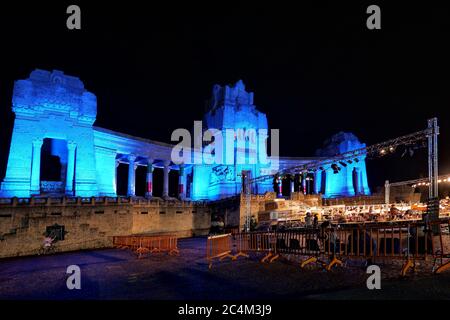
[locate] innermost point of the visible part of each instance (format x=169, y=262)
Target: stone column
x=318, y=181
x=131, y=175
x=364, y=183
x=280, y=187
x=166, y=179
x=115, y=179
x=304, y=182
x=149, y=179
x=181, y=183
x=71, y=147
x=360, y=181
x=35, y=187
x=357, y=186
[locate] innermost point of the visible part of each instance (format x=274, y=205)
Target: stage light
x=342, y=163
x=382, y=151
x=356, y=160
x=349, y=161
x=335, y=168
x=391, y=149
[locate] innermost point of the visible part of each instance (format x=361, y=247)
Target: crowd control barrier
x=218, y=247
x=404, y=241
x=142, y=245
x=255, y=242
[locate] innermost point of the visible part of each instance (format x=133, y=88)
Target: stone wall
x=313, y=200
x=405, y=194
x=397, y=194
x=232, y=210
x=185, y=219
x=357, y=200
x=227, y=210
x=92, y=222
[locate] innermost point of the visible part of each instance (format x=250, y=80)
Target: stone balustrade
x=92, y=201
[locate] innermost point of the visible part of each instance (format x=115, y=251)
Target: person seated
x=48, y=242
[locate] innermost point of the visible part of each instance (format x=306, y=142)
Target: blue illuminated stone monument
x=232, y=108
x=347, y=178
x=54, y=118
x=51, y=105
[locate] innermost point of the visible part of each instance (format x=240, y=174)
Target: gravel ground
x=117, y=274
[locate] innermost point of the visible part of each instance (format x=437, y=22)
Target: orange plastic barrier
x=218, y=247
x=126, y=242
x=148, y=244
x=256, y=242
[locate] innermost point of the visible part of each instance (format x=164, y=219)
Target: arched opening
x=173, y=183
x=297, y=184
x=53, y=166
x=141, y=181
x=122, y=179
x=286, y=186
x=158, y=180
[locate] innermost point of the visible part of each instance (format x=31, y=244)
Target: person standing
x=316, y=221
x=308, y=220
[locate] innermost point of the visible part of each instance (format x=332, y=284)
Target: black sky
x=315, y=70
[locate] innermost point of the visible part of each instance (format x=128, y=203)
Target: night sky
x=315, y=70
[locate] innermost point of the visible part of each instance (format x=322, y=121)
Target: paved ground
x=117, y=274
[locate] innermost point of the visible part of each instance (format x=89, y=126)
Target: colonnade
x=149, y=163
